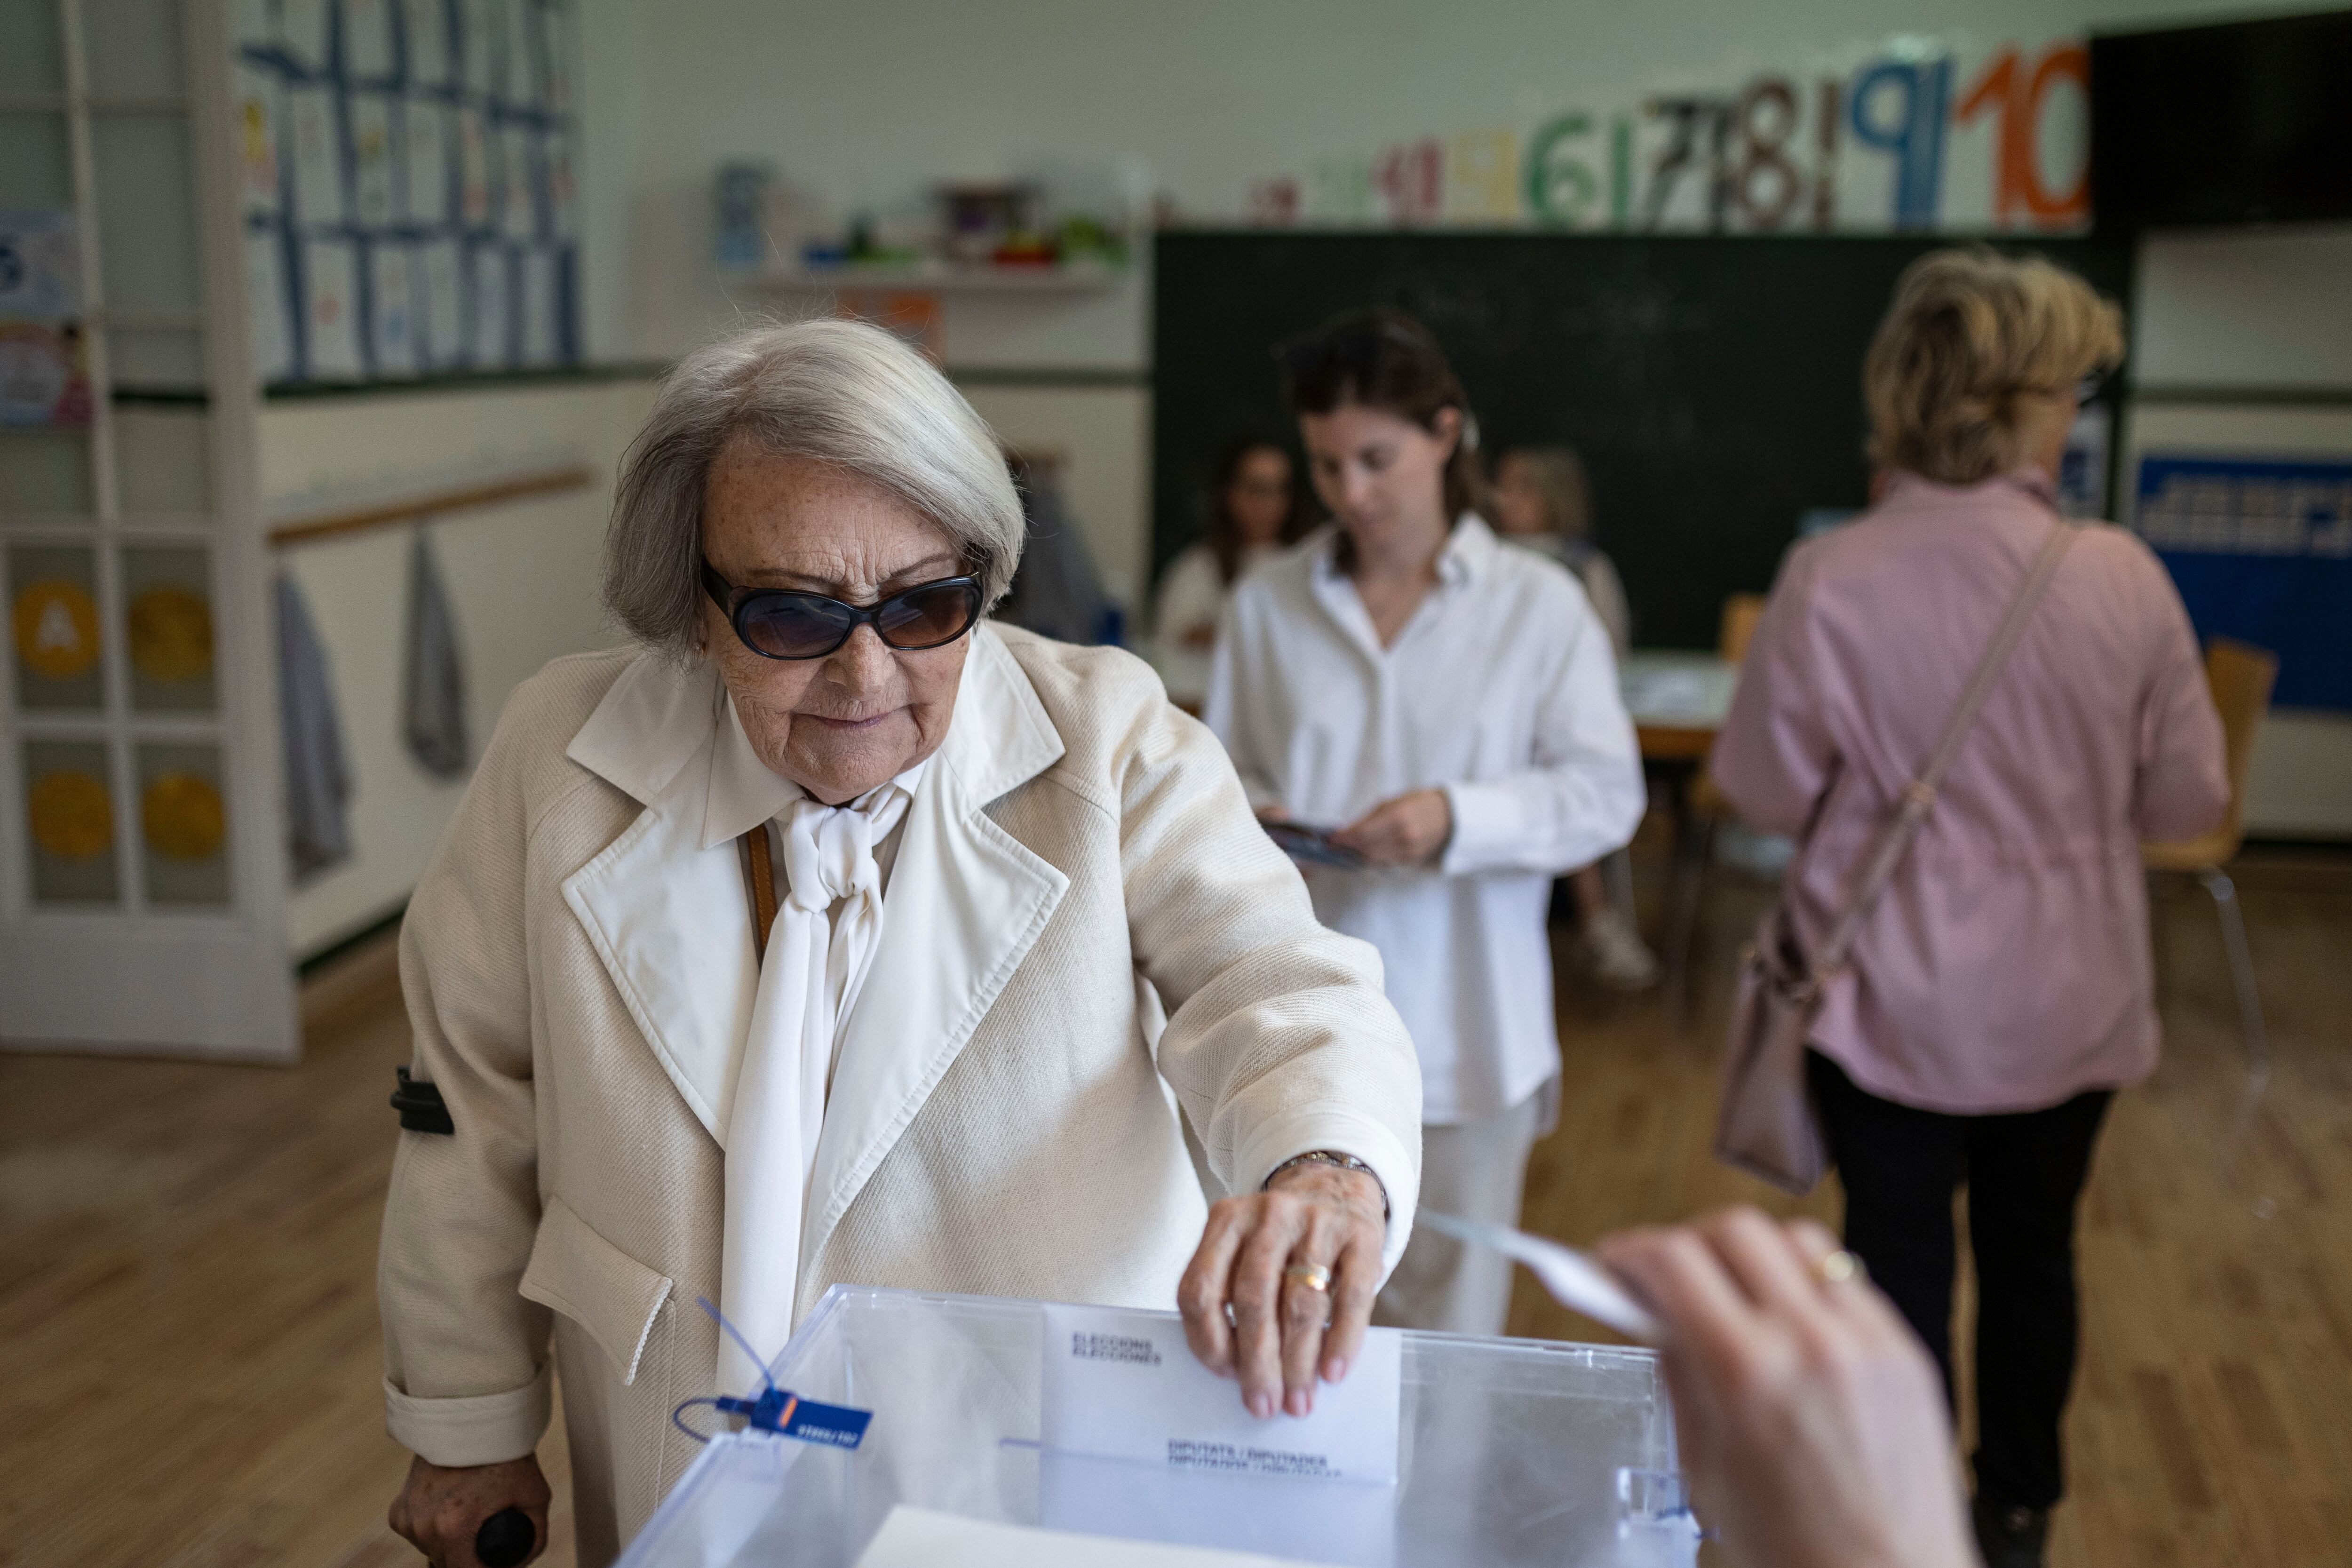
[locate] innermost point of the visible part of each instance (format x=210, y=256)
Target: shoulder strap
x=759, y=884
x=1895, y=835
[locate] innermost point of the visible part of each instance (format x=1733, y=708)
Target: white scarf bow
x=809, y=978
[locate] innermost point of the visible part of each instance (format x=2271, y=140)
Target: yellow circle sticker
x=183, y=816
x=170, y=634
x=71, y=816
x=57, y=628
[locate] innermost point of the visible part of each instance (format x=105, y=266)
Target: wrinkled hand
x=440, y=1510
x=1406, y=831
x=1283, y=1334
x=1811, y=1419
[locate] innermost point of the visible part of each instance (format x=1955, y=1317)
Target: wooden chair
x=2241, y=677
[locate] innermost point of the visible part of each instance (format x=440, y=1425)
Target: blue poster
x=2262, y=551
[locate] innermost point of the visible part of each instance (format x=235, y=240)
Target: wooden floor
x=188, y=1359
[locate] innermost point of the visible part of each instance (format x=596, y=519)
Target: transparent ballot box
x=1509, y=1451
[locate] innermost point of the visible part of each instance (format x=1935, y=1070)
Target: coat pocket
x=596, y=1285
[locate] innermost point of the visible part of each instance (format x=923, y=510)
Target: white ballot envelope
x=925, y=1537
x=1574, y=1281
x=1141, y=1440
x=1122, y=1385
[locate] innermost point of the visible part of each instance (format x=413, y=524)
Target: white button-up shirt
x=1502, y=691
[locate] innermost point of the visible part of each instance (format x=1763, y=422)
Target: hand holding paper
x=1574, y=1281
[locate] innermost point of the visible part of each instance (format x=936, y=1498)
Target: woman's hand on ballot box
x=1261, y=1256
x=1812, y=1421
x=441, y=1510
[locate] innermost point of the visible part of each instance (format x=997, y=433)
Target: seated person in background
x=1999, y=993
x=1811, y=1422
x=1448, y=707
x=1542, y=501
x=1252, y=511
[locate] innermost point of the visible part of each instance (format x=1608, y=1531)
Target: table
x=1678, y=701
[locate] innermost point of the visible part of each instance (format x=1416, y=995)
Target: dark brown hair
x=1224, y=534
x=1384, y=359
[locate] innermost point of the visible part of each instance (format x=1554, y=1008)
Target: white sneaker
x=1616, y=953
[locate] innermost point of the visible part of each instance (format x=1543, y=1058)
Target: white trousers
x=1474, y=1170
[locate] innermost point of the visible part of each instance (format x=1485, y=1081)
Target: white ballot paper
x=924, y=1538
x=1122, y=1385
x=1142, y=1442
x=1574, y=1281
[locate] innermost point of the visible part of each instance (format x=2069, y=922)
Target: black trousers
x=2024, y=1174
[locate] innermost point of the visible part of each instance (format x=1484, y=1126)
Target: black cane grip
x=505, y=1539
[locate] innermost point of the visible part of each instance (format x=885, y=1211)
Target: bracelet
x=1338, y=1161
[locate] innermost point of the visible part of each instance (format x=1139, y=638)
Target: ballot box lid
x=1509, y=1451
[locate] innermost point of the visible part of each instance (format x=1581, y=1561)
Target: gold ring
x=1840, y=1267
x=1314, y=1276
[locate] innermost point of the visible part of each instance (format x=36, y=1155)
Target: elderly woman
x=824, y=937
x=1998, y=992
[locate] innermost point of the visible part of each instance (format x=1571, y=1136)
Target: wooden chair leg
x=1694, y=848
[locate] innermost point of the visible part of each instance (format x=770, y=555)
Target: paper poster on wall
x=424, y=162
x=481, y=26
x=253, y=24
x=518, y=201
x=473, y=169
x=44, y=375
x=555, y=55
x=523, y=53
x=40, y=265
x=442, y=335
x=391, y=309
x=315, y=148
x=367, y=39
x=267, y=306
x=331, y=328
x=372, y=160
x=424, y=24
x=2261, y=549
x=302, y=33
x=492, y=345
x=258, y=117
x=562, y=189
x=541, y=345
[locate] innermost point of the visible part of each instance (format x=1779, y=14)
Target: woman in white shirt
x=1448, y=709
x=1543, y=502
x=1251, y=509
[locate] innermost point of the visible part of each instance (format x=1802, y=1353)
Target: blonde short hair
x=1971, y=332
x=839, y=391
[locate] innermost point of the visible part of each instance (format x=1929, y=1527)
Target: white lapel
x=667, y=917
x=967, y=901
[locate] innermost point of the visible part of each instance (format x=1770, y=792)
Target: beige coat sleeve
x=1279, y=1039
x=466, y=1378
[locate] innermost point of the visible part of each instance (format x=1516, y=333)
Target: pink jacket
x=2007, y=966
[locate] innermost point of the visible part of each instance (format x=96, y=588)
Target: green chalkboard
x=1713, y=383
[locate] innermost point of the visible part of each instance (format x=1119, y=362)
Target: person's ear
x=1446, y=427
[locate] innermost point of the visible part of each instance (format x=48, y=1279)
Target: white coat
x=580, y=973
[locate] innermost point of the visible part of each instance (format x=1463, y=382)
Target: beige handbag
x=1768, y=1127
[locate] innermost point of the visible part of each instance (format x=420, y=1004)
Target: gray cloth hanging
x=318, y=765
x=433, y=688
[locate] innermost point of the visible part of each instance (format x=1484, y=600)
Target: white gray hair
x=837, y=392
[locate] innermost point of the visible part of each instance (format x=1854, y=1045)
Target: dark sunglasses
x=777, y=622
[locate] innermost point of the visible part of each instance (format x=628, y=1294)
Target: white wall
x=523, y=578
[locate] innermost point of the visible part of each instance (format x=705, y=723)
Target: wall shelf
x=1081, y=278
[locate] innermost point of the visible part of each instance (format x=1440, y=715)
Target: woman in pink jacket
x=2000, y=993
